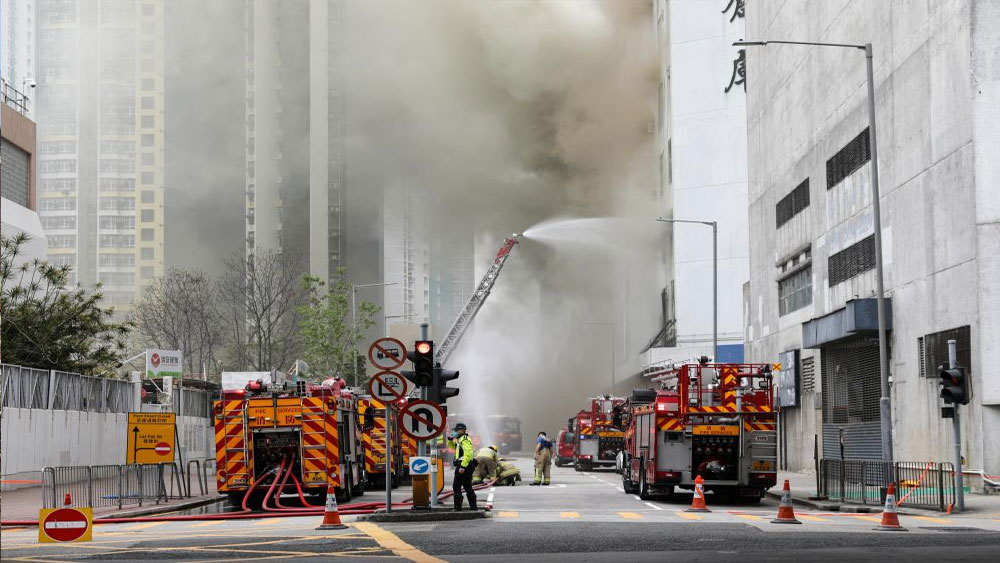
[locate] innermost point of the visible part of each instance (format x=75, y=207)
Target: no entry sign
x=56, y=525
x=422, y=420
x=387, y=354
x=388, y=387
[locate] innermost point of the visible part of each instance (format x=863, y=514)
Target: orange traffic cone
x=331, y=515
x=68, y=500
x=698, y=502
x=786, y=514
x=890, y=519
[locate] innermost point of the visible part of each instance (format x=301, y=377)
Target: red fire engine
x=372, y=413
x=712, y=420
x=596, y=437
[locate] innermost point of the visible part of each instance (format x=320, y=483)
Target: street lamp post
x=354, y=320
x=885, y=409
x=715, y=278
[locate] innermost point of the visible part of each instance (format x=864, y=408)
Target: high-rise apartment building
x=17, y=47
x=100, y=140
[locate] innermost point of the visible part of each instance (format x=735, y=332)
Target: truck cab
x=564, y=448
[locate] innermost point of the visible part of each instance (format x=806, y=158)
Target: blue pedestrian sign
x=421, y=466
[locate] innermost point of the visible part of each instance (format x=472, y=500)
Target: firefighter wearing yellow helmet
x=486, y=464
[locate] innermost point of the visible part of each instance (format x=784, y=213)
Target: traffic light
x=422, y=357
x=439, y=392
x=954, y=385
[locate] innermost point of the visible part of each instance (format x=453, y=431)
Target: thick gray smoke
x=508, y=114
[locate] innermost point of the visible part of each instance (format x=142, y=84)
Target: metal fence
x=30, y=388
x=918, y=484
x=111, y=485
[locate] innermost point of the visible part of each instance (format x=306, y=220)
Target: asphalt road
x=580, y=517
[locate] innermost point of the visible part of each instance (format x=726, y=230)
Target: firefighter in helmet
x=543, y=459
x=486, y=465
x=465, y=464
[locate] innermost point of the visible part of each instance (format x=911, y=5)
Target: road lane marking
x=391, y=541
x=142, y=526
x=651, y=505
x=507, y=514
x=932, y=519
x=868, y=518
x=749, y=517
x=489, y=497
x=689, y=515
x=561, y=485
x=569, y=514
x=206, y=524
x=636, y=497
x=267, y=522
x=811, y=518
x=630, y=515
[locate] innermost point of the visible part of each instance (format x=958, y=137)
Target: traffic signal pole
x=432, y=447
x=957, y=431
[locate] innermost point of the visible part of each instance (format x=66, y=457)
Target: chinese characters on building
x=739, y=74
x=738, y=7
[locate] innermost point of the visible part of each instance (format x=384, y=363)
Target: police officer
x=465, y=464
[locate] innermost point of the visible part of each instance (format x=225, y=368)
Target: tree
x=329, y=336
x=181, y=311
x=48, y=325
x=260, y=295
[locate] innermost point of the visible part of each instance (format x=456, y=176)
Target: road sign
x=422, y=420
x=388, y=386
x=387, y=353
x=150, y=437
x=56, y=525
x=422, y=466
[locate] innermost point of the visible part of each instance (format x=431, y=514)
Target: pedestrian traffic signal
x=422, y=357
x=954, y=385
x=439, y=391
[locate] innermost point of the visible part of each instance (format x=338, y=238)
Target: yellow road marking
x=267, y=522
x=932, y=519
x=750, y=517
x=391, y=541
x=630, y=515
x=569, y=514
x=206, y=524
x=507, y=514
x=811, y=518
x=142, y=526
x=689, y=515
x=868, y=518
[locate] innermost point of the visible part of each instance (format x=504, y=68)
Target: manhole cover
x=951, y=529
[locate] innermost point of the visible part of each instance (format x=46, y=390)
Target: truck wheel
x=627, y=485
x=578, y=466
x=643, y=487
x=236, y=498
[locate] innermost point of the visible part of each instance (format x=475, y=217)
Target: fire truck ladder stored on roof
x=476, y=301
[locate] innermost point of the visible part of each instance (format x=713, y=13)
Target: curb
x=829, y=506
x=162, y=508
x=425, y=516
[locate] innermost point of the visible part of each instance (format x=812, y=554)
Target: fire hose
x=280, y=473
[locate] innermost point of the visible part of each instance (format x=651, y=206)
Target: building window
x=851, y=261
x=116, y=241
x=147, y=178
x=148, y=196
x=795, y=291
x=63, y=166
x=116, y=278
x=148, y=159
x=792, y=204
x=117, y=166
x=148, y=215
x=147, y=253
x=117, y=222
x=57, y=147
x=118, y=148
x=147, y=102
x=60, y=260
x=148, y=84
x=148, y=140
x=61, y=241
x=933, y=350
x=118, y=184
x=15, y=173
x=853, y=156
x=57, y=184
x=147, y=122
x=146, y=272
x=115, y=260
x=148, y=235
x=57, y=204
x=117, y=203
x=57, y=222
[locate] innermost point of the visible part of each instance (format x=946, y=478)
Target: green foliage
x=49, y=325
x=330, y=338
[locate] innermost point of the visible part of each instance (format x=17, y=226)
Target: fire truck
x=712, y=420
x=314, y=428
x=505, y=432
x=373, y=432
x=596, y=436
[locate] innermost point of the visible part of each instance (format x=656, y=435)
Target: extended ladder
x=475, y=301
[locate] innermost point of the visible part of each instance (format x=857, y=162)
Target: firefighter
x=465, y=464
x=543, y=459
x=486, y=465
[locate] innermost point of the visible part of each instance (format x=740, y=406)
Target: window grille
x=792, y=204
x=851, y=261
x=853, y=156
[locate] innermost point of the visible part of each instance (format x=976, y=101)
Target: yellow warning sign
x=59, y=525
x=150, y=437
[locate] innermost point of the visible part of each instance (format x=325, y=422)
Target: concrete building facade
x=809, y=300
x=17, y=46
x=100, y=141
x=17, y=175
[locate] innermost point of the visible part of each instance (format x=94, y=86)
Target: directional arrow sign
x=388, y=387
x=422, y=420
x=420, y=466
x=150, y=437
x=387, y=353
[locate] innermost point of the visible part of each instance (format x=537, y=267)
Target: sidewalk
x=24, y=504
x=803, y=486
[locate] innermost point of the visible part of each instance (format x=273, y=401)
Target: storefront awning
x=859, y=317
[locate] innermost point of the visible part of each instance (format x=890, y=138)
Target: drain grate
x=952, y=529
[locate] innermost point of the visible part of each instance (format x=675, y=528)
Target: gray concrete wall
x=937, y=157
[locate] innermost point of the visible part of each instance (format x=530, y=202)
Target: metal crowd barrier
x=119, y=485
x=919, y=484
